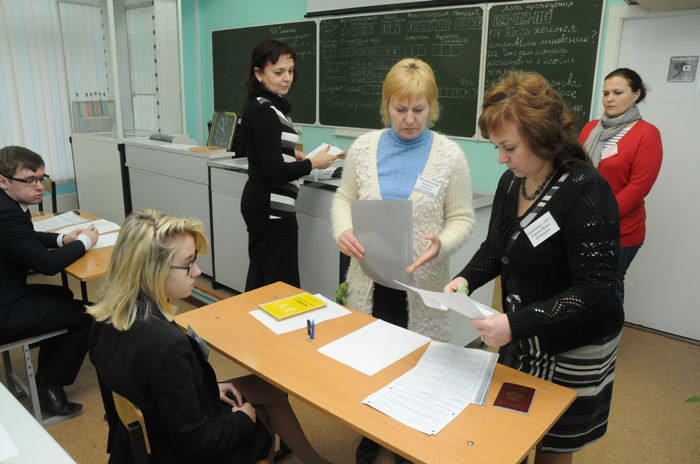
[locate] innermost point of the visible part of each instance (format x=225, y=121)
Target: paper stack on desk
x=446, y=379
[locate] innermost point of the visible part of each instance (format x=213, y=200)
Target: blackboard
x=222, y=127
x=357, y=52
x=556, y=39
x=231, y=49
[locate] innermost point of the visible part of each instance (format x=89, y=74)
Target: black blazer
x=21, y=249
x=163, y=372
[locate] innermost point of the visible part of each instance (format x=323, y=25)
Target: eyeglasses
x=32, y=180
x=188, y=267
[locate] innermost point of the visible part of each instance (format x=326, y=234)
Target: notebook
x=292, y=305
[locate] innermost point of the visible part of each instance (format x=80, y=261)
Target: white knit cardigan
x=449, y=215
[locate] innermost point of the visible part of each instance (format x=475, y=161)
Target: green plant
x=341, y=293
x=693, y=399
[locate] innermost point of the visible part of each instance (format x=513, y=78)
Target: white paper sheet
x=106, y=240
x=8, y=449
x=103, y=226
x=330, y=311
x=60, y=220
x=374, y=346
x=459, y=302
x=385, y=230
x=446, y=379
x=333, y=151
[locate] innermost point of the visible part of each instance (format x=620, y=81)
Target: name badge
x=541, y=229
x=428, y=186
x=608, y=152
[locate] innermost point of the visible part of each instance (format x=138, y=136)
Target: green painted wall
x=222, y=14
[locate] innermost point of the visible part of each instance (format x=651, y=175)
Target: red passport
x=514, y=397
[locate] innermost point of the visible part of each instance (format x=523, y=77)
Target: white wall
x=660, y=287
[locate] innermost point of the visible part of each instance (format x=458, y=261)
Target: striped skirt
x=589, y=370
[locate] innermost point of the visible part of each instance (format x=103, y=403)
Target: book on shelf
x=292, y=305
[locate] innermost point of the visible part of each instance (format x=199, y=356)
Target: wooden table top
x=92, y=264
x=295, y=365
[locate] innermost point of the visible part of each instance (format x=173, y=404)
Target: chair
x=132, y=418
x=15, y=384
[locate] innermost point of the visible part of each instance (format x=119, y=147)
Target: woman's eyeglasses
x=188, y=267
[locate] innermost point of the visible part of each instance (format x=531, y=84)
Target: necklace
x=539, y=189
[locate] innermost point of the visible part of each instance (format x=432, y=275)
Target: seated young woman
x=142, y=355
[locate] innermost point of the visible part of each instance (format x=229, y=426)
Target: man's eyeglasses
x=188, y=267
x=32, y=180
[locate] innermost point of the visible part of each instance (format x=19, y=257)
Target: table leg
x=83, y=290
x=64, y=279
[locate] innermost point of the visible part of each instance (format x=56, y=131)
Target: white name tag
x=608, y=152
x=428, y=186
x=541, y=229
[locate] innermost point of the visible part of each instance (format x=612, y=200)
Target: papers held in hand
x=292, y=305
x=459, y=302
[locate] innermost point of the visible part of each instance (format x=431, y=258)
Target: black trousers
x=390, y=305
x=46, y=308
x=273, y=258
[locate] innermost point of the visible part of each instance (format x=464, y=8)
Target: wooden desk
x=31, y=439
x=294, y=365
x=91, y=265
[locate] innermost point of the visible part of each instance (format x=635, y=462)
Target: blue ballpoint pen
x=313, y=328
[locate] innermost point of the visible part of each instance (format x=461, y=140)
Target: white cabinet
x=319, y=267
x=229, y=234
x=98, y=175
x=319, y=259
x=172, y=180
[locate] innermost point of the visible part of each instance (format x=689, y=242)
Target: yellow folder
x=292, y=305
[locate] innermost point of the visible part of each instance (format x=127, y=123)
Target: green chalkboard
x=357, y=52
x=231, y=49
x=556, y=39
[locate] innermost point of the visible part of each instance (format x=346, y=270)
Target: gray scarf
x=605, y=129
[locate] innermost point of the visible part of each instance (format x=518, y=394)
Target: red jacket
x=631, y=174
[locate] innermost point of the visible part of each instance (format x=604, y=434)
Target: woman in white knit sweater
x=407, y=161
x=399, y=163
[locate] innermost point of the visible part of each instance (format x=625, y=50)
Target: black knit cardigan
x=565, y=285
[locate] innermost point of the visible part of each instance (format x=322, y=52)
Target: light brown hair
x=540, y=114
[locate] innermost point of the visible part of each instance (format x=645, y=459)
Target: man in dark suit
x=27, y=310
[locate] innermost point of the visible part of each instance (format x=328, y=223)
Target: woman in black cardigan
x=554, y=239
x=141, y=354
x=269, y=140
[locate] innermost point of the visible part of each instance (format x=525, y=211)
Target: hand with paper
x=350, y=246
x=458, y=302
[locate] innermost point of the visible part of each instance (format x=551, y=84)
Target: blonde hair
x=140, y=263
x=413, y=79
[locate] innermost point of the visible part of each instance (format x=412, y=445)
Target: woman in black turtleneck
x=274, y=166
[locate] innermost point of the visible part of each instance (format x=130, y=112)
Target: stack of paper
x=446, y=379
x=102, y=225
x=58, y=221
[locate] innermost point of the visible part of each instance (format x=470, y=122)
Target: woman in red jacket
x=627, y=151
